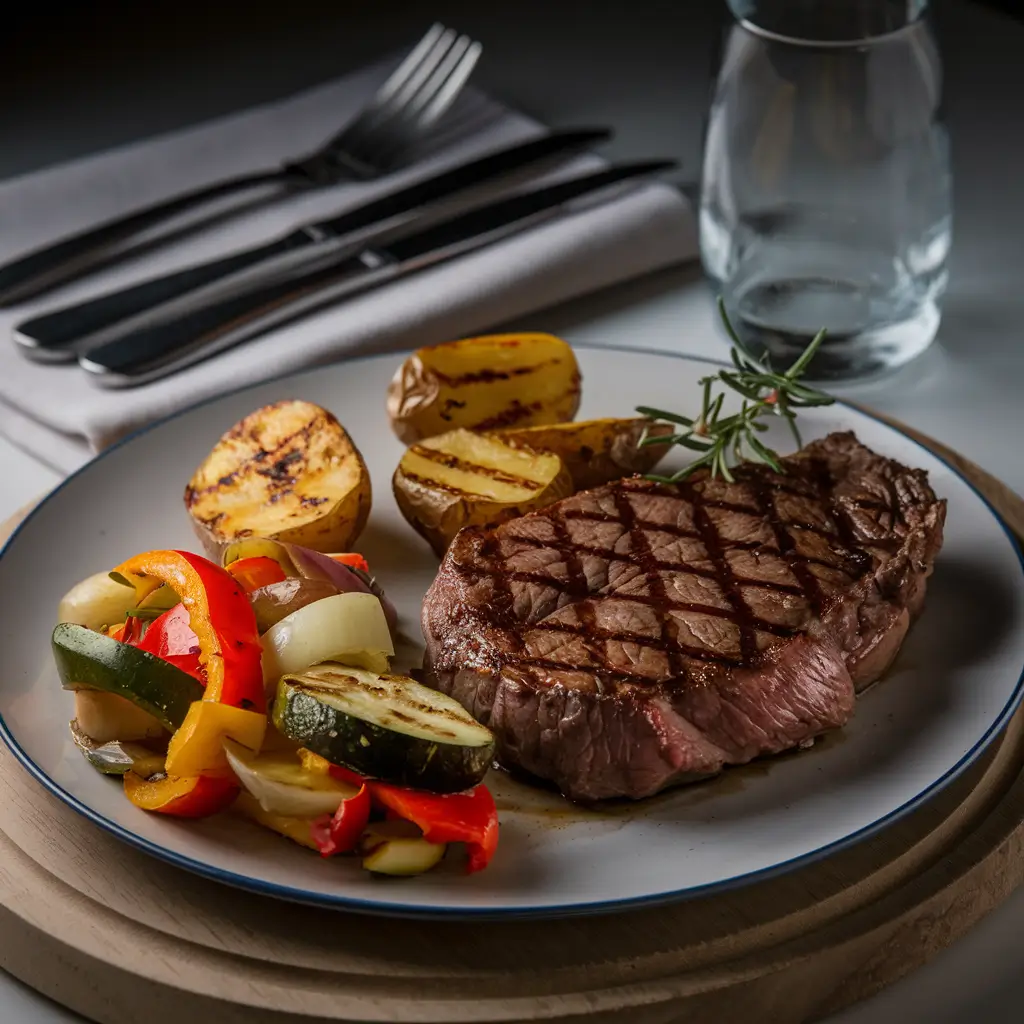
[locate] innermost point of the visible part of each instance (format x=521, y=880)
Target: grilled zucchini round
x=389, y=728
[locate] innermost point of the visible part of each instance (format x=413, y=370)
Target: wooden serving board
x=114, y=934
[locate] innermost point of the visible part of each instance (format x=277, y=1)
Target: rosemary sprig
x=723, y=441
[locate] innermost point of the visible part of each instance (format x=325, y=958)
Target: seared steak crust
x=641, y=635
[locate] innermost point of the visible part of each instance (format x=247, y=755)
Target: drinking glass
x=826, y=186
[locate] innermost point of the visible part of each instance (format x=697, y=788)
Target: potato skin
x=595, y=452
x=484, y=383
x=438, y=512
x=289, y=472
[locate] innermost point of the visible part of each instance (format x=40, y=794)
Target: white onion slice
x=264, y=777
x=350, y=628
x=97, y=602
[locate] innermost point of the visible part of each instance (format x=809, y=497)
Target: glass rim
x=831, y=44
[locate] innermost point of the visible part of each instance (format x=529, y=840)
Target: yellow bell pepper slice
x=296, y=829
x=197, y=747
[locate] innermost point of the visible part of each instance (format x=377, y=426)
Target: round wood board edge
x=792, y=949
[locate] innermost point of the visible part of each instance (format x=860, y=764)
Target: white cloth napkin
x=62, y=418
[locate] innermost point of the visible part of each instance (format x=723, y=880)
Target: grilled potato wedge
x=465, y=479
x=595, y=451
x=485, y=383
x=289, y=472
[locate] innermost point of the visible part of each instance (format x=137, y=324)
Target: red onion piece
x=277, y=600
x=315, y=565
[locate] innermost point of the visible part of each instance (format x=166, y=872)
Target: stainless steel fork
x=380, y=139
x=405, y=107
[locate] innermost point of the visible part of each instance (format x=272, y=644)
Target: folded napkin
x=58, y=415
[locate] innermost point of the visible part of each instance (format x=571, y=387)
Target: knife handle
x=77, y=255
x=159, y=349
x=61, y=335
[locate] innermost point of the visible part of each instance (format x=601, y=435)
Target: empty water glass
x=825, y=197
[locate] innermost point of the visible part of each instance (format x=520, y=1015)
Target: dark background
x=147, y=67
x=80, y=75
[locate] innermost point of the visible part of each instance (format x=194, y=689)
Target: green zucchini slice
x=398, y=848
x=94, y=661
x=385, y=727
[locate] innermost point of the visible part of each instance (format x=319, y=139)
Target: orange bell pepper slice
x=224, y=624
x=257, y=571
x=181, y=798
x=352, y=560
x=220, y=616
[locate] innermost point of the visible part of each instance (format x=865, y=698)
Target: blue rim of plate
x=379, y=909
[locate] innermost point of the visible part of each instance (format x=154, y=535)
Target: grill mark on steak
x=727, y=580
x=503, y=600
x=734, y=545
x=844, y=527
x=640, y=549
x=605, y=674
x=576, y=584
x=669, y=566
x=761, y=625
x=669, y=644
x=787, y=547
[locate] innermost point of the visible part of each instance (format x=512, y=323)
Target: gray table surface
x=82, y=77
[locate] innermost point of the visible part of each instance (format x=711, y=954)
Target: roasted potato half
x=289, y=472
x=465, y=479
x=595, y=451
x=485, y=383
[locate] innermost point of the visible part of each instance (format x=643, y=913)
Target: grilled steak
x=641, y=635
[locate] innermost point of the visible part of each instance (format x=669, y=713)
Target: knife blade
x=147, y=354
x=59, y=335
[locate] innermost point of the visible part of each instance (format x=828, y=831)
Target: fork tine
x=392, y=137
x=437, y=57
x=401, y=74
x=449, y=87
x=415, y=95
x=420, y=62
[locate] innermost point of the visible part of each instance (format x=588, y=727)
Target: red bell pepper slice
x=469, y=817
x=353, y=560
x=258, y=571
x=195, y=797
x=170, y=637
x=129, y=632
x=340, y=833
x=220, y=615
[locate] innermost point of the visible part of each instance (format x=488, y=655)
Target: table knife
x=165, y=346
x=56, y=336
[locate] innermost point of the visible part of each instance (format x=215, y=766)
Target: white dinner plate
x=957, y=680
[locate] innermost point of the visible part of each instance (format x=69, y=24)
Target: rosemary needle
x=722, y=441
